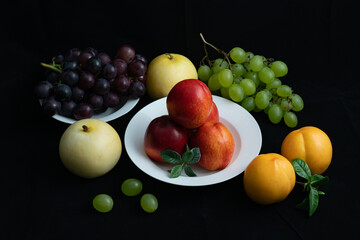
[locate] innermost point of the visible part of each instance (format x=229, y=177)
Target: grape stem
x=51, y=67
x=217, y=49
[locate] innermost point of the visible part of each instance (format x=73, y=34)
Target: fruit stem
x=85, y=128
x=171, y=57
x=301, y=183
x=51, y=67
x=217, y=49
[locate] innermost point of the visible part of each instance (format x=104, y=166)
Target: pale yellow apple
x=165, y=71
x=90, y=148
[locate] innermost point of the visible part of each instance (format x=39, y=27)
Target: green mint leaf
x=197, y=155
x=189, y=171
x=313, y=200
x=171, y=156
x=301, y=168
x=187, y=156
x=317, y=180
x=304, y=205
x=176, y=171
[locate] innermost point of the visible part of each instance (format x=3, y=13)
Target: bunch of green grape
x=253, y=82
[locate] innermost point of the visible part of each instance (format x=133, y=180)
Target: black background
x=42, y=200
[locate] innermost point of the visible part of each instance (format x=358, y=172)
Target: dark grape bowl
x=111, y=113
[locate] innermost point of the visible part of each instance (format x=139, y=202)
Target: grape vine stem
x=217, y=49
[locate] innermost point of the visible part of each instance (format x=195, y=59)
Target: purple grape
x=126, y=52
x=43, y=89
x=120, y=65
x=94, y=65
x=70, y=65
x=67, y=108
x=102, y=86
x=86, y=80
x=104, y=57
x=70, y=77
x=96, y=101
x=51, y=106
x=121, y=84
x=111, y=99
x=77, y=94
x=137, y=68
x=142, y=78
x=141, y=58
x=84, y=57
x=52, y=77
x=136, y=89
x=62, y=92
x=73, y=54
x=59, y=59
x=92, y=50
x=83, y=110
x=109, y=71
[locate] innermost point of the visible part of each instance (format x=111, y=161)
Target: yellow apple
x=165, y=71
x=90, y=148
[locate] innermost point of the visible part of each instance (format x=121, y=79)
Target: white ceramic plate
x=108, y=115
x=242, y=125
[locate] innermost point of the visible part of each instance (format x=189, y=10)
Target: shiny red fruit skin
x=162, y=134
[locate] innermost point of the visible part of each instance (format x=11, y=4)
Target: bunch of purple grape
x=84, y=82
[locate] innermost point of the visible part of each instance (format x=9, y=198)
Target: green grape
x=266, y=75
x=248, y=85
x=225, y=78
x=257, y=63
x=237, y=79
x=249, y=56
x=290, y=119
x=204, y=73
x=280, y=69
x=131, y=187
x=103, y=203
x=225, y=93
x=248, y=103
x=238, y=69
x=268, y=93
x=236, y=93
x=266, y=110
x=273, y=85
x=219, y=64
x=253, y=76
x=262, y=99
x=247, y=67
x=238, y=55
x=284, y=91
x=149, y=203
x=297, y=102
x=285, y=104
x=275, y=113
x=256, y=109
x=213, y=82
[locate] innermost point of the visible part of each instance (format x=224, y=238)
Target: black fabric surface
x=42, y=200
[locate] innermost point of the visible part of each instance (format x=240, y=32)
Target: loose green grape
x=284, y=91
x=266, y=75
x=249, y=56
x=238, y=55
x=219, y=64
x=236, y=93
x=238, y=69
x=262, y=99
x=213, y=82
x=225, y=78
x=248, y=85
x=257, y=63
x=297, y=102
x=275, y=113
x=225, y=93
x=285, y=104
x=131, y=187
x=103, y=203
x=253, y=76
x=149, y=203
x=204, y=73
x=290, y=119
x=280, y=68
x=248, y=103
